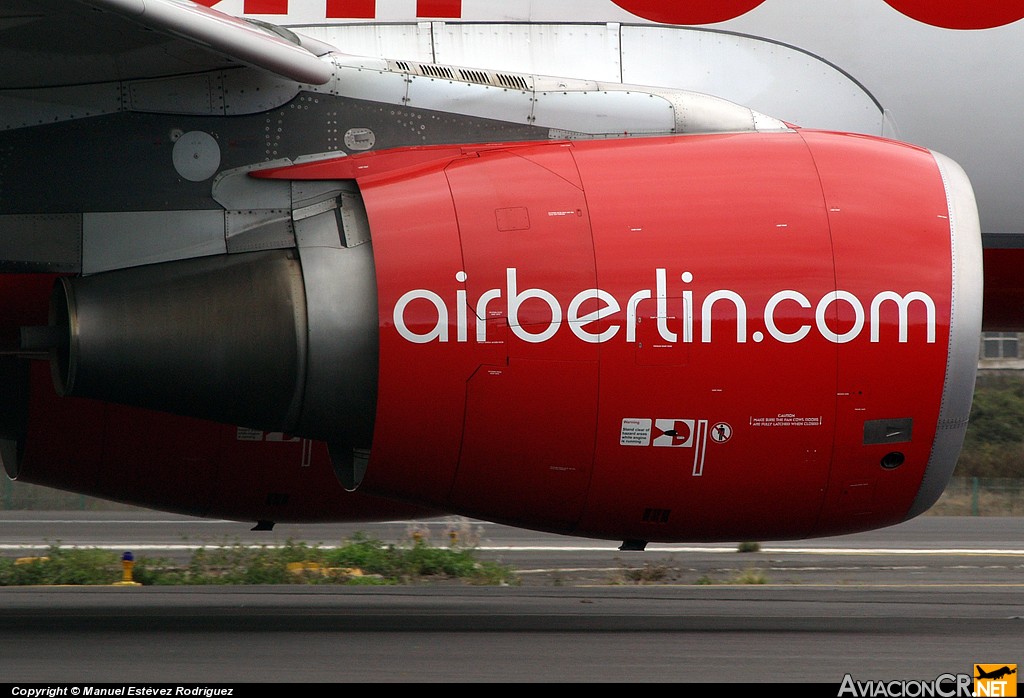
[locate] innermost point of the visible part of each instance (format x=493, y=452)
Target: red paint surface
x=24, y=301
x=266, y=7
x=355, y=9
x=528, y=432
x=688, y=11
x=1004, y=291
x=183, y=465
x=438, y=8
x=961, y=15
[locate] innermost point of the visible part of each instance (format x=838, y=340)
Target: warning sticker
x=689, y=434
x=675, y=433
x=635, y=432
x=785, y=420
x=246, y=434
x=721, y=432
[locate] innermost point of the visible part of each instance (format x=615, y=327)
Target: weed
x=62, y=566
x=649, y=573
x=751, y=576
x=360, y=561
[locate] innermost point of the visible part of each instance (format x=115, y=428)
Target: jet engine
x=703, y=337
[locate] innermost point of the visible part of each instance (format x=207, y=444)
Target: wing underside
x=51, y=43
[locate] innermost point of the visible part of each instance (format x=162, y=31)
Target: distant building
x=1001, y=350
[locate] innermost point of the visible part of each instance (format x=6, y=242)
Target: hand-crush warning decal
x=670, y=433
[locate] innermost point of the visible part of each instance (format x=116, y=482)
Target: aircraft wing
x=49, y=43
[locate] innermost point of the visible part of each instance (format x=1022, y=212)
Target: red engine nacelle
x=748, y=336
x=718, y=337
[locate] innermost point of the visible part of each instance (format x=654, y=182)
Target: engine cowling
x=740, y=336
x=716, y=337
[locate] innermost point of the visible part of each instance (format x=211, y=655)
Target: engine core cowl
x=221, y=338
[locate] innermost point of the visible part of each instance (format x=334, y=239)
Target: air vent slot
x=436, y=71
x=514, y=81
x=475, y=76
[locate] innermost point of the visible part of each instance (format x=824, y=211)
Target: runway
x=930, y=597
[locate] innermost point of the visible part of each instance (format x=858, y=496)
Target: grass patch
x=650, y=573
x=747, y=576
x=359, y=561
x=62, y=566
x=751, y=576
